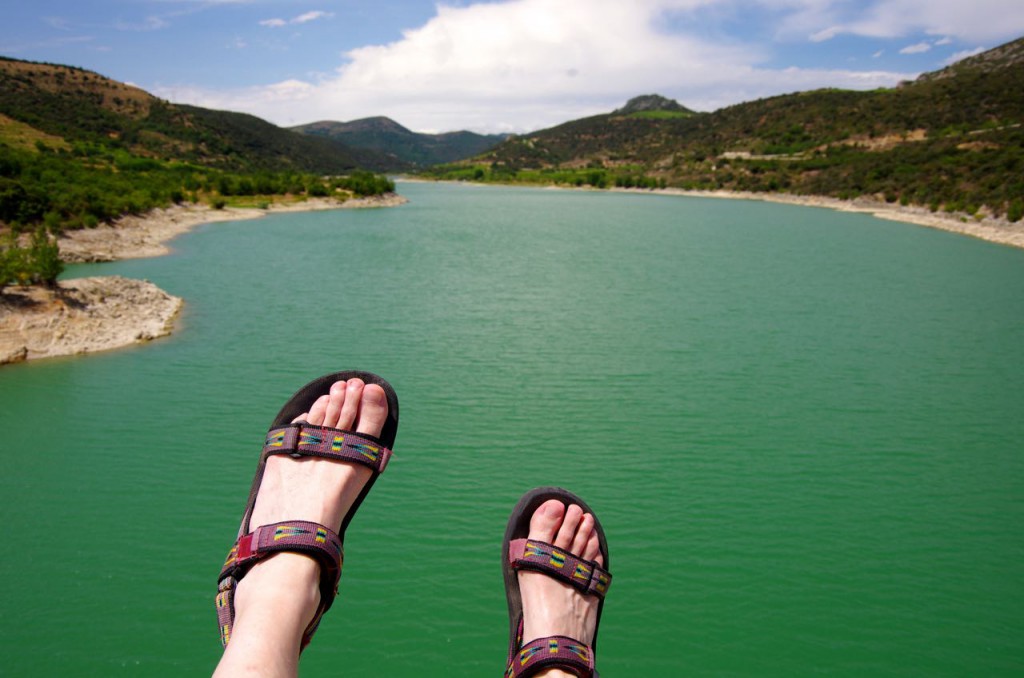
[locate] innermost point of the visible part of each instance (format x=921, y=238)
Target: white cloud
x=826, y=34
x=522, y=65
x=57, y=23
x=311, y=16
x=963, y=55
x=150, y=23
x=300, y=19
x=944, y=41
x=917, y=48
x=878, y=53
x=978, y=20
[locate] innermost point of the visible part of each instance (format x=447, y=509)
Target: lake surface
x=802, y=430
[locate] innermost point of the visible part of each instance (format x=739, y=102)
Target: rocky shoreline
x=137, y=237
x=85, y=315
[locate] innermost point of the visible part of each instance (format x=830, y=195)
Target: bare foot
x=322, y=490
x=551, y=608
x=279, y=595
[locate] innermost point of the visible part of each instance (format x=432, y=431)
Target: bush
x=1016, y=211
x=39, y=263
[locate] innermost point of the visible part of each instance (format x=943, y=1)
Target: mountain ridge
x=406, y=148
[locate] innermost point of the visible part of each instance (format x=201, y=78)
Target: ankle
x=285, y=587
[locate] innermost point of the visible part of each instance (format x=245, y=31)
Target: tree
x=39, y=263
x=44, y=255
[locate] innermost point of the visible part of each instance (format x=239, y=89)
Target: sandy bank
x=137, y=237
x=82, y=316
x=997, y=230
x=987, y=228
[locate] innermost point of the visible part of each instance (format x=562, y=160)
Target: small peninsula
x=86, y=315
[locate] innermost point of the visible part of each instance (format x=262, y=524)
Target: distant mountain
x=952, y=139
x=77, y=105
x=404, y=148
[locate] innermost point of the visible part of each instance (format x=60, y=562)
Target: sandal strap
x=297, y=536
x=585, y=575
x=562, y=652
x=306, y=440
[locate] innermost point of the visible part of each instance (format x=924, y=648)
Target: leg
x=277, y=598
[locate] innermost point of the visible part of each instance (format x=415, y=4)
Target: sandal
x=320, y=542
x=589, y=578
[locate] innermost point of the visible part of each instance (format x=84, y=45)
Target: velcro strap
x=302, y=440
x=556, y=651
x=530, y=554
x=299, y=536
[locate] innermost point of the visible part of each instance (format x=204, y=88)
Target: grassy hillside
x=78, y=149
x=949, y=140
x=404, y=148
x=81, y=106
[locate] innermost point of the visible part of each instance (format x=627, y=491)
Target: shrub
x=39, y=263
x=1016, y=211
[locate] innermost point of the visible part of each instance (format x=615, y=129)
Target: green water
x=801, y=429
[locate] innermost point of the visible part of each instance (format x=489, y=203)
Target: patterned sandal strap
x=306, y=440
x=298, y=536
x=561, y=652
x=586, y=576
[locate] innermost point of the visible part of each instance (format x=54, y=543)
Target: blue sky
x=498, y=66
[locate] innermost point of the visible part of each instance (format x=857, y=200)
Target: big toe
x=546, y=520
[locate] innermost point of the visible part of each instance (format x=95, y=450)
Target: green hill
x=77, y=149
x=404, y=148
x=949, y=140
x=81, y=106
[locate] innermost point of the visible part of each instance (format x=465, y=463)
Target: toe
x=573, y=516
x=350, y=409
x=317, y=411
x=582, y=536
x=593, y=550
x=545, y=520
x=373, y=410
x=336, y=402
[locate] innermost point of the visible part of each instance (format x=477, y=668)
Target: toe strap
x=586, y=576
x=560, y=652
x=306, y=440
x=297, y=536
